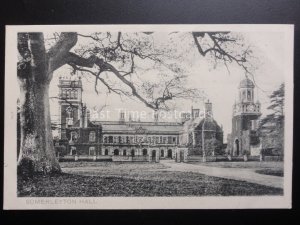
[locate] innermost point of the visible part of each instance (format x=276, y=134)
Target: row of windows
x=130, y=139
x=92, y=151
x=92, y=136
x=144, y=152
x=140, y=139
x=69, y=93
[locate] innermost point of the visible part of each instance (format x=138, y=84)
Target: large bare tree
x=110, y=56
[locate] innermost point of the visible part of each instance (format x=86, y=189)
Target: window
x=68, y=94
x=73, y=151
x=164, y=140
x=120, y=139
x=127, y=139
x=115, y=139
x=244, y=95
x=92, y=151
x=132, y=152
x=131, y=139
x=124, y=152
x=64, y=93
x=169, y=140
x=105, y=139
x=110, y=139
x=162, y=153
x=174, y=139
x=92, y=136
x=74, y=136
x=106, y=152
x=75, y=94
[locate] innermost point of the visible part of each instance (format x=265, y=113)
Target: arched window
x=244, y=96
x=124, y=152
x=144, y=151
x=116, y=152
x=92, y=136
x=106, y=152
x=162, y=153
x=249, y=95
x=74, y=136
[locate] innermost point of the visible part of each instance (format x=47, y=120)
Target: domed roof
x=246, y=83
x=208, y=124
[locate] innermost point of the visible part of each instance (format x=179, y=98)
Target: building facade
x=244, y=138
x=81, y=136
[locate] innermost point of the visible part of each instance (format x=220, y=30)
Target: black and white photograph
x=148, y=116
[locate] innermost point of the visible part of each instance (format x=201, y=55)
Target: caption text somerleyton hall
x=59, y=201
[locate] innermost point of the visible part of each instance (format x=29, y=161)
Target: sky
x=220, y=84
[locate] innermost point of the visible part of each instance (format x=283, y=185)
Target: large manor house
x=128, y=140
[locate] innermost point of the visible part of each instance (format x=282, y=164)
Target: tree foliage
x=272, y=126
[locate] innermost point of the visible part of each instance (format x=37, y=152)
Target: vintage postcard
x=148, y=116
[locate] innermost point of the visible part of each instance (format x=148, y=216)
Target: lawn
x=134, y=179
x=250, y=165
x=271, y=171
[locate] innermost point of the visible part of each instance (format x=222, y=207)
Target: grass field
x=266, y=168
x=271, y=171
x=134, y=179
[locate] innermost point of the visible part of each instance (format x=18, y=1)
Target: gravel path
x=243, y=174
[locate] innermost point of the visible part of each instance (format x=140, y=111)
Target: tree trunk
x=37, y=153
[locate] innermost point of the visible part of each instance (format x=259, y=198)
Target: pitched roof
x=139, y=127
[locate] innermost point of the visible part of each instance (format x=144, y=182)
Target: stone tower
x=70, y=103
x=246, y=113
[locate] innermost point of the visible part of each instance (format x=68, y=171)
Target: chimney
x=83, y=118
x=208, y=109
x=185, y=116
x=122, y=117
x=155, y=116
x=195, y=113
x=87, y=118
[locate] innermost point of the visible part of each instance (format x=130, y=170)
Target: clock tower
x=70, y=103
x=246, y=113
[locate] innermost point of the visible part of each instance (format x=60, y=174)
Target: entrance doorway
x=116, y=152
x=144, y=152
x=170, y=153
x=237, y=147
x=73, y=151
x=181, y=156
x=153, y=155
